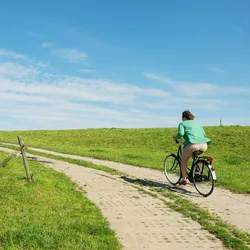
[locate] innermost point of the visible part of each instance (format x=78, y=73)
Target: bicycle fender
x=212, y=171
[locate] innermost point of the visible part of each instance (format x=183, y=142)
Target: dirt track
x=144, y=222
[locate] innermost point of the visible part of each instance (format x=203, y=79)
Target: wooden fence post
x=25, y=161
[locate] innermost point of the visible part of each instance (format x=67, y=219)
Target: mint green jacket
x=192, y=132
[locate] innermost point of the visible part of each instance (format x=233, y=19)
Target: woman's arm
x=181, y=131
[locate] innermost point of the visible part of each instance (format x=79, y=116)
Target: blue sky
x=91, y=64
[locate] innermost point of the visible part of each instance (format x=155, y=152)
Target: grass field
x=48, y=213
x=230, y=148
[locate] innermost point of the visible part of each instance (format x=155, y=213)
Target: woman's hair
x=188, y=115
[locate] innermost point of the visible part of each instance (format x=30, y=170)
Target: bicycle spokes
x=172, y=169
x=203, y=178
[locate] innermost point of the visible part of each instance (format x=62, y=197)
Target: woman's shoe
x=184, y=181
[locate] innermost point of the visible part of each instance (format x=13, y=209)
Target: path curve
x=139, y=220
x=231, y=207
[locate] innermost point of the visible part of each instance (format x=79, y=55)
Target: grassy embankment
x=230, y=148
x=49, y=213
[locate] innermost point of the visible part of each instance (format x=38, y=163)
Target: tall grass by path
x=48, y=213
x=230, y=148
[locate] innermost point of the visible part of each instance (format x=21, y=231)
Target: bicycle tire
x=203, y=178
x=172, y=169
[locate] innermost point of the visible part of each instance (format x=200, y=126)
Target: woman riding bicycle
x=195, y=140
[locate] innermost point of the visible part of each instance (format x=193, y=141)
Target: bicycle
x=201, y=173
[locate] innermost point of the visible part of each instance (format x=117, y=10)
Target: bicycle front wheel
x=172, y=169
x=202, y=178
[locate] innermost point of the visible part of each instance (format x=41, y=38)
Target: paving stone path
x=142, y=221
x=231, y=207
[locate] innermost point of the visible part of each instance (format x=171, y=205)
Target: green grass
x=48, y=213
x=230, y=148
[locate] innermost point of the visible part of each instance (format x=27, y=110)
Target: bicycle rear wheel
x=172, y=169
x=202, y=178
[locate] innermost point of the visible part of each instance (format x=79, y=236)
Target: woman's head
x=187, y=115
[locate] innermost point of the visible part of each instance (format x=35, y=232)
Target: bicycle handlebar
x=176, y=140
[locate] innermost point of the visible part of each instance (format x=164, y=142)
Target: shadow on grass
x=36, y=159
x=148, y=183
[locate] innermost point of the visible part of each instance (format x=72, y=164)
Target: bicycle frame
x=179, y=152
x=195, y=159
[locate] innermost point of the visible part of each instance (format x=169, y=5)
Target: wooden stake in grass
x=25, y=161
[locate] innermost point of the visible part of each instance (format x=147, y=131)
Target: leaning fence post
x=25, y=161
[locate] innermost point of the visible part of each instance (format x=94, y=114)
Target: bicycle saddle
x=197, y=153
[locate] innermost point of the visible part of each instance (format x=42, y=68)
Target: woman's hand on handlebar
x=175, y=139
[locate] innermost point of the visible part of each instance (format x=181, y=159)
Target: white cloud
x=9, y=97
x=33, y=98
x=11, y=54
x=71, y=55
x=90, y=71
x=185, y=88
x=82, y=89
x=217, y=70
x=194, y=89
x=47, y=44
x=13, y=57
x=16, y=70
x=79, y=115
x=158, y=78
x=44, y=100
